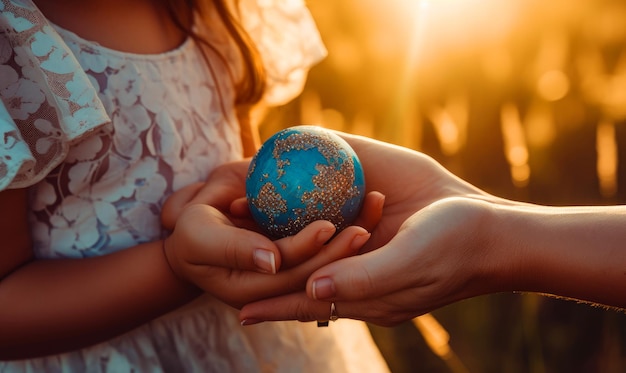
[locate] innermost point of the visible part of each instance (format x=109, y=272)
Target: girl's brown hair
x=251, y=87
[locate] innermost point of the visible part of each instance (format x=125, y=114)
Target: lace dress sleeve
x=47, y=102
x=288, y=41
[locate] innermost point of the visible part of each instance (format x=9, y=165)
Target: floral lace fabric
x=101, y=138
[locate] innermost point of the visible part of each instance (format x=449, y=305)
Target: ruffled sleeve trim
x=47, y=101
x=289, y=43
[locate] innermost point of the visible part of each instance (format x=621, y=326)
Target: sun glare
x=461, y=24
x=463, y=78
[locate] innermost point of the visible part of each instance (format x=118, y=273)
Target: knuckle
x=230, y=252
x=361, y=282
x=302, y=312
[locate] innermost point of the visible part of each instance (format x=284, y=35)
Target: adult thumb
x=369, y=275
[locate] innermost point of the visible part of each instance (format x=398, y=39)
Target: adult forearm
x=51, y=306
x=573, y=252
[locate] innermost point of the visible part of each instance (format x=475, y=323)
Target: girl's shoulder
x=37, y=73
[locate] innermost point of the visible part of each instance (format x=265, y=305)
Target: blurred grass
x=509, y=95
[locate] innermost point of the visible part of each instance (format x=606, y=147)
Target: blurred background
x=525, y=99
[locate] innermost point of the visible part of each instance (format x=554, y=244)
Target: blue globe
x=302, y=174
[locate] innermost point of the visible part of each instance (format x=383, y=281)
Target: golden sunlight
x=607, y=158
x=425, y=73
x=515, y=147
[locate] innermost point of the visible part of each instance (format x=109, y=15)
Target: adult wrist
x=516, y=230
x=500, y=252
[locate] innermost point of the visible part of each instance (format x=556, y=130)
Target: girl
x=109, y=107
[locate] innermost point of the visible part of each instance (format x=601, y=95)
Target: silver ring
x=333, y=316
x=333, y=312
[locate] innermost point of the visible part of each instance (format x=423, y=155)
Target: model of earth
x=302, y=174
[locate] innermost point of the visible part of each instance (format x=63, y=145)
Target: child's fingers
x=176, y=202
x=225, y=184
x=253, y=286
x=205, y=237
x=345, y=244
x=305, y=244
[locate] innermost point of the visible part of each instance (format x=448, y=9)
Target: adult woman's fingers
x=297, y=306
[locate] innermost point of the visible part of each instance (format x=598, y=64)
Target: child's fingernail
x=359, y=241
x=323, y=288
x=324, y=235
x=265, y=260
x=250, y=322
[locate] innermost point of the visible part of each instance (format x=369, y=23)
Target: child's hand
x=224, y=185
x=239, y=266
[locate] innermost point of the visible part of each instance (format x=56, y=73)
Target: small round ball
x=302, y=174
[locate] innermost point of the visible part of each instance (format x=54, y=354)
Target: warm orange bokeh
x=397, y=66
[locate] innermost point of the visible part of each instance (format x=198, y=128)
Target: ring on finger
x=333, y=316
x=333, y=312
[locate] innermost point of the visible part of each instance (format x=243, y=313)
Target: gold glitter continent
x=334, y=188
x=270, y=202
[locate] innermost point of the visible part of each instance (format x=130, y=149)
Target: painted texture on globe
x=303, y=174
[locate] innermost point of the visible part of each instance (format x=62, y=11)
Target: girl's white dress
x=101, y=138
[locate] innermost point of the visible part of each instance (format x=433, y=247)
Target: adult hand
x=410, y=181
x=425, y=241
x=437, y=257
